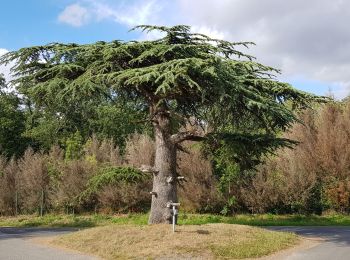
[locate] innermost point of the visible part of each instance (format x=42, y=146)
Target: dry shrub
x=339, y=196
x=125, y=197
x=74, y=176
x=140, y=150
x=198, y=193
x=8, y=186
x=56, y=154
x=104, y=151
x=275, y=189
x=48, y=179
x=285, y=182
x=34, y=181
x=313, y=177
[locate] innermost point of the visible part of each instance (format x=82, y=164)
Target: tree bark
x=164, y=181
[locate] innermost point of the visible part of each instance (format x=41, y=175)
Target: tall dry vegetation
x=315, y=176
x=122, y=196
x=51, y=181
x=8, y=185
x=198, y=192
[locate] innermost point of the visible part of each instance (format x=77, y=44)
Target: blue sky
x=308, y=40
x=35, y=22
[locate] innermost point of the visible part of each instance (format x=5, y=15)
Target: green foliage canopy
x=190, y=77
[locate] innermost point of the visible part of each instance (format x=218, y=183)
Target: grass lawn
x=209, y=241
x=184, y=219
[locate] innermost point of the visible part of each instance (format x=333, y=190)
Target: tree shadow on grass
x=199, y=231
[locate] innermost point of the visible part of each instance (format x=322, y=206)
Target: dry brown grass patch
x=210, y=241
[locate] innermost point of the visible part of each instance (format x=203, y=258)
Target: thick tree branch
x=186, y=136
x=148, y=169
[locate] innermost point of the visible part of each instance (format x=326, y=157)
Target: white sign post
x=174, y=212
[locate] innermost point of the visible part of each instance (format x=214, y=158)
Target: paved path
x=15, y=244
x=335, y=243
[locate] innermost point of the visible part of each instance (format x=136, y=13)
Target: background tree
x=12, y=122
x=192, y=87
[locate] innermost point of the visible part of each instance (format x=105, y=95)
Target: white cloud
x=141, y=12
x=307, y=39
x=340, y=89
x=211, y=32
x=135, y=13
x=74, y=15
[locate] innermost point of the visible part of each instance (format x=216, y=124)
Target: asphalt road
x=335, y=243
x=16, y=244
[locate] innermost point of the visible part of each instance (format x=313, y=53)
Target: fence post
x=16, y=202
x=42, y=203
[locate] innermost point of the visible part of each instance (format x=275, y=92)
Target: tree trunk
x=164, y=181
